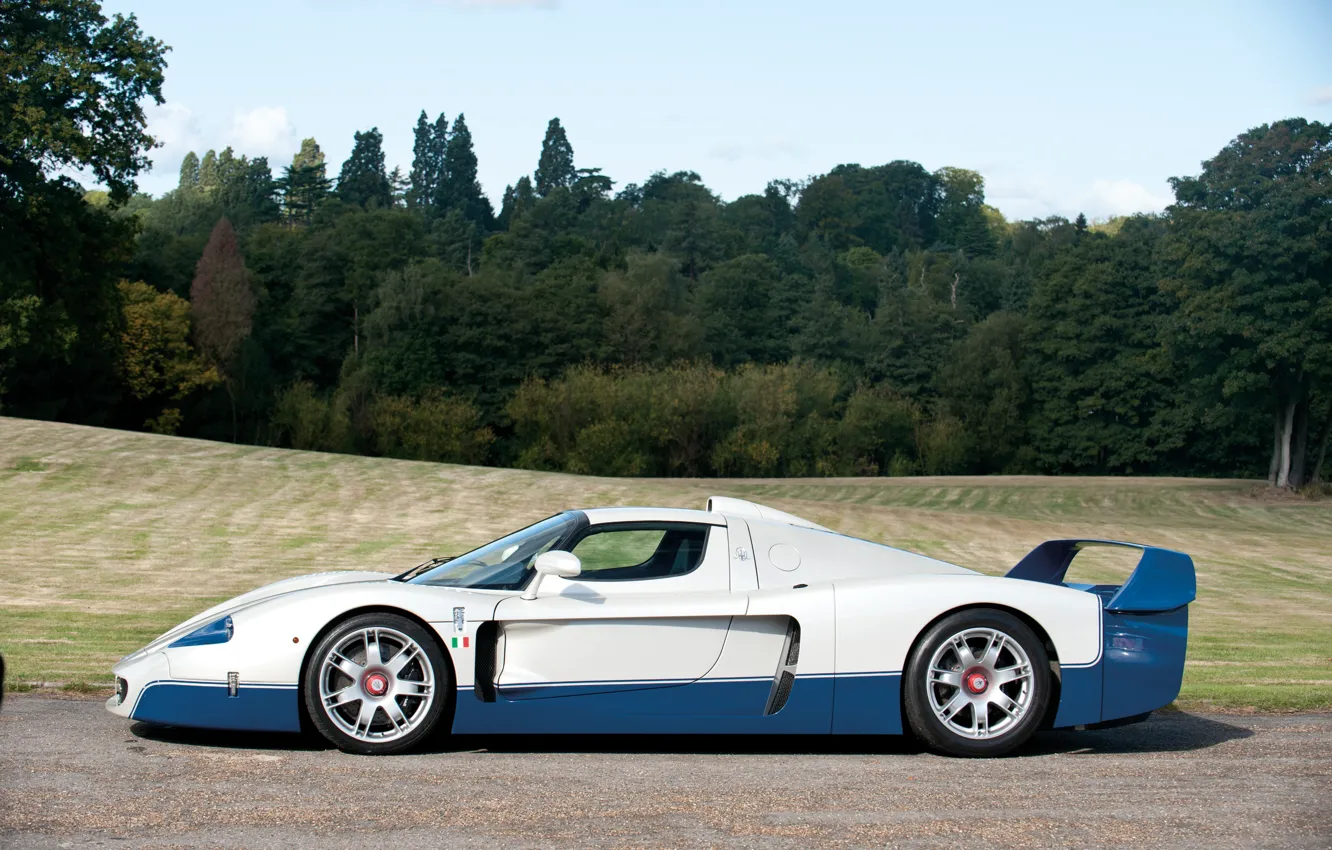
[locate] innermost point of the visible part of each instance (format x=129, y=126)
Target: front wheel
x=977, y=684
x=377, y=684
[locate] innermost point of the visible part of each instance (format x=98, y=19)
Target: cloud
x=263, y=131
x=1024, y=196
x=1124, y=197
x=175, y=127
x=1322, y=96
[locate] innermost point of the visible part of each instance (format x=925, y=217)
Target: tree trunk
x=356, y=329
x=231, y=395
x=1299, y=445
x=1287, y=426
x=1276, y=449
x=1322, y=445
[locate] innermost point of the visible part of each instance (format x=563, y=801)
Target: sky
x=1062, y=107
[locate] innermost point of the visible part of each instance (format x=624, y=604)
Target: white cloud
x=264, y=131
x=175, y=127
x=1023, y=196
x=1124, y=197
x=1322, y=96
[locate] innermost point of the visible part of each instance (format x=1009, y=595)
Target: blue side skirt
x=255, y=708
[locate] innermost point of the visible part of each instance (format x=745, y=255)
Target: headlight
x=219, y=631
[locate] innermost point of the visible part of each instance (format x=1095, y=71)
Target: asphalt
x=72, y=775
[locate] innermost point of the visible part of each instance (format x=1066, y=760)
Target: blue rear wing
x=1162, y=581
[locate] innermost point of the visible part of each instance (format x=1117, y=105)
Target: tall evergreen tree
x=222, y=303
x=364, y=180
x=555, y=169
x=209, y=175
x=304, y=183
x=189, y=172
x=459, y=189
x=427, y=161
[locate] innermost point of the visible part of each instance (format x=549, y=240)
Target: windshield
x=503, y=564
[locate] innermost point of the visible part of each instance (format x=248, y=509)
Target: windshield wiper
x=420, y=568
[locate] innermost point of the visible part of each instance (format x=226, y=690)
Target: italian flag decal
x=466, y=642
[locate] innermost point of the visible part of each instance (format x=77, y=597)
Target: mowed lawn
x=107, y=538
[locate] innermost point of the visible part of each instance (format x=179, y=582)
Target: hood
x=268, y=591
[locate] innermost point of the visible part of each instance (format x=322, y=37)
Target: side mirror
x=562, y=564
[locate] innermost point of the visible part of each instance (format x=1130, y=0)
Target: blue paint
x=1143, y=661
x=1079, y=696
x=255, y=708
x=867, y=705
x=219, y=631
x=1163, y=580
x=707, y=706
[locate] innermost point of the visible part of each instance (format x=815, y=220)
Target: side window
x=634, y=551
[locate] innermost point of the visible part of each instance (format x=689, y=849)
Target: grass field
x=107, y=538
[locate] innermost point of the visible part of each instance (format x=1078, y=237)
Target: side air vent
x=784, y=679
x=784, y=684
x=487, y=636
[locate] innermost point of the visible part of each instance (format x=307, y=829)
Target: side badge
x=459, y=619
x=742, y=554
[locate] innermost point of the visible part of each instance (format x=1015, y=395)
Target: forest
x=873, y=320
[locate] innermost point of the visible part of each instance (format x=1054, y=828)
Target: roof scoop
x=741, y=508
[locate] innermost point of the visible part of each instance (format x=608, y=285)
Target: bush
x=436, y=428
x=304, y=420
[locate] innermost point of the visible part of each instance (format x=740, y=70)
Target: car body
x=735, y=619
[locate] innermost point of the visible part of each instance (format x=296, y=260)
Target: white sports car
x=735, y=619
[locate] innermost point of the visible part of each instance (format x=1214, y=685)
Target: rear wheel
x=977, y=684
x=377, y=684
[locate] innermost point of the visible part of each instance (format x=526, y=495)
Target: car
x=736, y=619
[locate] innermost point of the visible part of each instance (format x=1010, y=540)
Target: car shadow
x=1169, y=732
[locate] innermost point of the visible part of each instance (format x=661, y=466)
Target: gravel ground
x=72, y=775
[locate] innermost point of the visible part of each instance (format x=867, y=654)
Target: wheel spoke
x=1005, y=703
x=980, y=721
x=963, y=650
x=953, y=706
x=351, y=693
x=365, y=719
x=408, y=688
x=373, y=655
x=1015, y=673
x=394, y=712
x=401, y=658
x=991, y=656
x=348, y=667
x=941, y=676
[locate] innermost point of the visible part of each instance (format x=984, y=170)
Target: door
x=650, y=610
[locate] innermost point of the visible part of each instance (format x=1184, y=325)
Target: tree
x=1251, y=254
x=517, y=198
x=363, y=180
x=158, y=363
x=189, y=173
x=459, y=188
x=304, y=183
x=72, y=93
x=555, y=169
x=222, y=303
x=428, y=150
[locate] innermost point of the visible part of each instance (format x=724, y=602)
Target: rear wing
x=1162, y=581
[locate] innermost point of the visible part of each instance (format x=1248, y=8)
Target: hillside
x=109, y=537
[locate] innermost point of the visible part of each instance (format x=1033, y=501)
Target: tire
x=977, y=684
x=377, y=705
